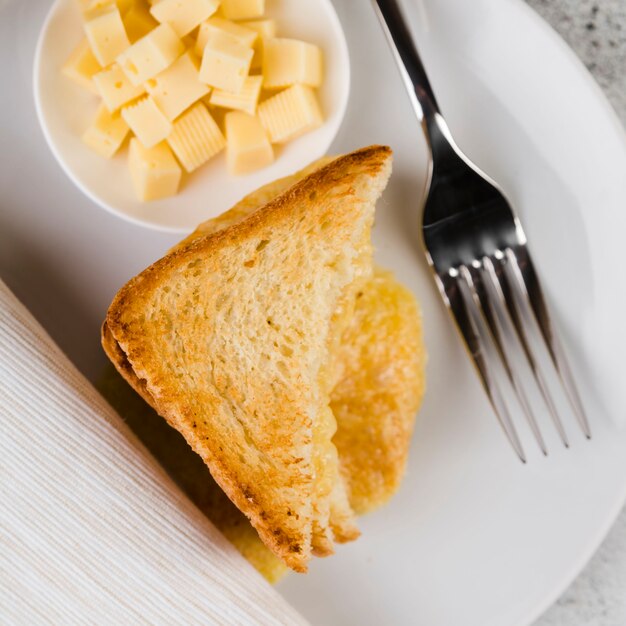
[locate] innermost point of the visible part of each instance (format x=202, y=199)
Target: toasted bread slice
x=229, y=339
x=381, y=357
x=378, y=392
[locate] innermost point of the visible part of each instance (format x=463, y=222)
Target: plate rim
x=587, y=552
x=595, y=541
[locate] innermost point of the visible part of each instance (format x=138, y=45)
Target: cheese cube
x=138, y=23
x=114, y=88
x=107, y=133
x=125, y=5
x=289, y=61
x=243, y=9
x=246, y=36
x=151, y=54
x=81, y=66
x=225, y=62
x=106, y=34
x=247, y=147
x=147, y=122
x=183, y=15
x=196, y=137
x=290, y=113
x=93, y=5
x=178, y=87
x=265, y=29
x=154, y=171
x=89, y=7
x=246, y=100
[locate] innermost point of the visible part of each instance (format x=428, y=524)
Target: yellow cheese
x=107, y=133
x=114, y=87
x=246, y=36
x=89, y=7
x=106, y=34
x=147, y=122
x=138, y=22
x=125, y=5
x=178, y=87
x=247, y=148
x=155, y=172
x=189, y=41
x=183, y=15
x=196, y=137
x=265, y=29
x=152, y=54
x=81, y=66
x=242, y=9
x=225, y=62
x=289, y=61
x=246, y=100
x=290, y=113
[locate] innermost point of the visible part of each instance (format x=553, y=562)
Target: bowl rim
x=340, y=112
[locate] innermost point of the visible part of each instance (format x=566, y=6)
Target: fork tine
x=505, y=336
x=525, y=279
x=567, y=378
x=522, y=317
x=476, y=336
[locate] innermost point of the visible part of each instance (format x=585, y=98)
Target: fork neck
x=409, y=62
x=443, y=149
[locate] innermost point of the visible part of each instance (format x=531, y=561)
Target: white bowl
x=65, y=110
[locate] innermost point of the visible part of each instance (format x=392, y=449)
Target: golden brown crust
x=252, y=202
x=118, y=358
x=124, y=341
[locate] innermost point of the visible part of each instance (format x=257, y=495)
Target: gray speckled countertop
x=596, y=30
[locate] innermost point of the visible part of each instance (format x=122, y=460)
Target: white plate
x=473, y=538
x=65, y=110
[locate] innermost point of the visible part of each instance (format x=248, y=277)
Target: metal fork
x=477, y=249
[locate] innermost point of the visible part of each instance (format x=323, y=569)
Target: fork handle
x=408, y=59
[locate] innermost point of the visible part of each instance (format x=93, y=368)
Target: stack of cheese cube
x=188, y=79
